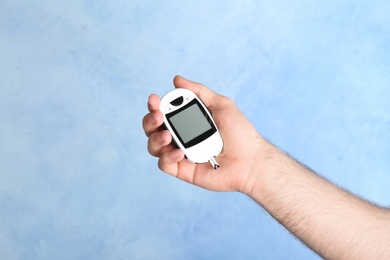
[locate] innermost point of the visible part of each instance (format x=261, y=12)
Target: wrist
x=264, y=156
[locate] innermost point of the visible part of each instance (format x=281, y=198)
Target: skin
x=331, y=221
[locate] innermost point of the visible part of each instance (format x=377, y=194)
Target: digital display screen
x=190, y=123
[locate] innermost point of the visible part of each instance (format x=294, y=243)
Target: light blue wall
x=76, y=180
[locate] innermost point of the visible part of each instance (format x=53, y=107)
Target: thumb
x=203, y=92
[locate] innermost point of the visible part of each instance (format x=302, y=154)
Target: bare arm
x=331, y=221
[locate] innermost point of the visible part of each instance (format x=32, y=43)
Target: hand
x=310, y=207
x=237, y=159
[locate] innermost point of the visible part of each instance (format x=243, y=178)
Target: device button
x=177, y=102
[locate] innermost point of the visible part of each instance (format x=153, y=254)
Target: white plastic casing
x=202, y=151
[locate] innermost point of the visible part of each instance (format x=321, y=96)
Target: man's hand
x=333, y=222
x=237, y=159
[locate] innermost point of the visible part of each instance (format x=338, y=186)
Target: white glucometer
x=191, y=125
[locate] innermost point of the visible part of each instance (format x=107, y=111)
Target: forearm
x=331, y=221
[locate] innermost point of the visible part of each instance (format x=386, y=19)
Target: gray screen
x=190, y=123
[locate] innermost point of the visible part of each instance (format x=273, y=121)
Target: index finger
x=153, y=102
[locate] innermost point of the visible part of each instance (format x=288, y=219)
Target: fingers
x=158, y=143
x=152, y=122
x=153, y=102
x=168, y=161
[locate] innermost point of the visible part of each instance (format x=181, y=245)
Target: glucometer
x=191, y=125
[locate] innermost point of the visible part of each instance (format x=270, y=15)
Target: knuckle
x=151, y=123
x=144, y=121
x=153, y=147
x=163, y=164
x=225, y=100
x=160, y=164
x=146, y=125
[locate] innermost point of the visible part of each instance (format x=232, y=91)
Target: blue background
x=76, y=180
